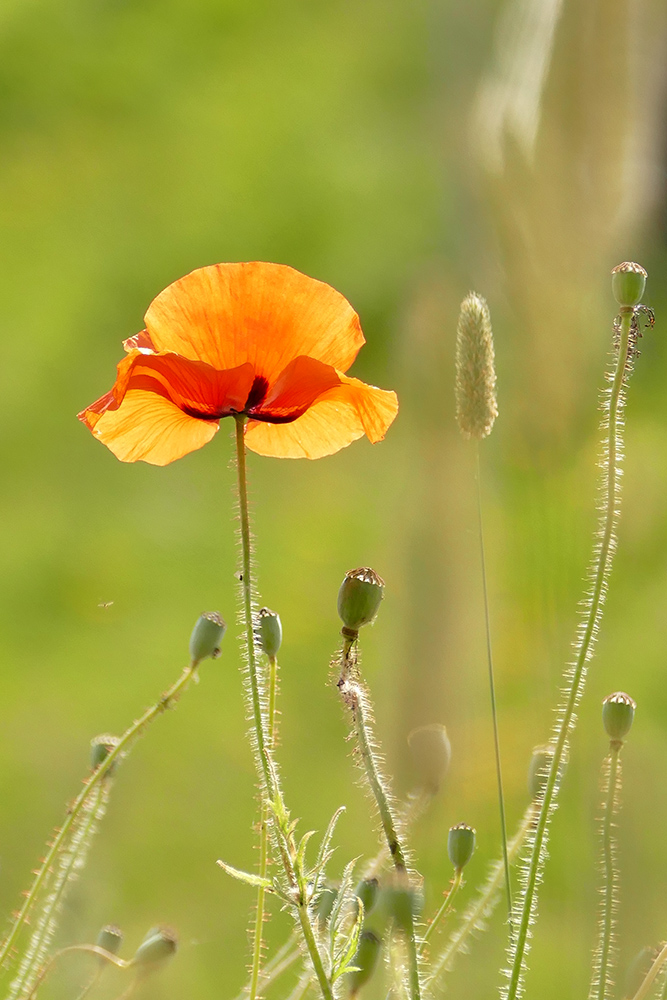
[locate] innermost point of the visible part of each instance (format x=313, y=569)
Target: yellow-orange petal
x=340, y=416
x=147, y=427
x=267, y=314
x=295, y=390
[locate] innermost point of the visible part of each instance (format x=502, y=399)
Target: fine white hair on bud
x=476, y=404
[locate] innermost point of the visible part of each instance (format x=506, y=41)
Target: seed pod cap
x=359, y=597
x=206, y=637
x=269, y=631
x=159, y=945
x=628, y=282
x=618, y=712
x=460, y=845
x=110, y=938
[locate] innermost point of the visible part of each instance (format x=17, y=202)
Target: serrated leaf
x=343, y=961
x=255, y=880
x=301, y=853
x=341, y=899
x=324, y=853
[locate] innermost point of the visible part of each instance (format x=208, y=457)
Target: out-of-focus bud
x=401, y=904
x=538, y=770
x=628, y=282
x=431, y=753
x=325, y=902
x=460, y=845
x=100, y=748
x=639, y=966
x=367, y=892
x=110, y=938
x=365, y=960
x=269, y=631
x=618, y=712
x=206, y=637
x=157, y=947
x=359, y=597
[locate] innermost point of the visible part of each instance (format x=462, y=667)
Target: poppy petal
x=267, y=314
x=140, y=342
x=296, y=389
x=340, y=416
x=149, y=428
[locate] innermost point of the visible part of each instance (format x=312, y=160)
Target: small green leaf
x=254, y=880
x=343, y=960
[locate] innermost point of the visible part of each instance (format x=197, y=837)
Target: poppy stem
x=272, y=797
x=604, y=954
x=444, y=908
x=167, y=700
x=603, y=553
x=492, y=691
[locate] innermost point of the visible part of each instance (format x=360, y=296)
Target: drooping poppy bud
x=110, y=939
x=359, y=597
x=100, y=748
x=365, y=960
x=538, y=770
x=476, y=405
x=401, y=904
x=618, y=712
x=269, y=631
x=628, y=282
x=157, y=947
x=431, y=753
x=460, y=845
x=206, y=637
x=367, y=892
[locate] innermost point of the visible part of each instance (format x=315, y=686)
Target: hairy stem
x=492, y=690
x=269, y=783
x=651, y=975
x=584, y=645
x=487, y=898
x=263, y=842
x=602, y=964
x=354, y=696
x=169, y=698
x=445, y=907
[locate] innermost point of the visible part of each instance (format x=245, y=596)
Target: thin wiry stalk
x=263, y=840
x=167, y=700
x=652, y=974
x=71, y=861
x=575, y=675
x=603, y=958
x=443, y=910
x=90, y=949
x=356, y=699
x=266, y=769
x=475, y=917
x=492, y=690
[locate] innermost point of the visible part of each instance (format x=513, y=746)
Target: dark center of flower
x=257, y=394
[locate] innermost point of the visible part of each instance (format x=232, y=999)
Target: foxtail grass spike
x=476, y=405
x=626, y=333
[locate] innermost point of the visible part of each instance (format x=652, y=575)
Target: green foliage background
x=141, y=140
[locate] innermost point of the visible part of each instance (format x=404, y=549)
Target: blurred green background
x=404, y=151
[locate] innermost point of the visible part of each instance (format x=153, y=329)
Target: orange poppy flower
x=259, y=339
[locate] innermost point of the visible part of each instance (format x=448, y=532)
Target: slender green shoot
x=443, y=910
x=602, y=961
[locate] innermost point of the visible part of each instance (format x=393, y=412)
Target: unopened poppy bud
x=325, y=902
x=100, y=748
x=365, y=960
x=628, y=281
x=159, y=945
x=401, y=904
x=618, y=712
x=476, y=405
x=538, y=770
x=110, y=938
x=367, y=892
x=269, y=631
x=460, y=845
x=359, y=597
x=431, y=753
x=207, y=636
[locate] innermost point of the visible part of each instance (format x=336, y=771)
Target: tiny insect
x=105, y=604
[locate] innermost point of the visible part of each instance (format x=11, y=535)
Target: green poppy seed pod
x=431, y=753
x=460, y=845
x=325, y=902
x=269, y=631
x=359, y=597
x=110, y=938
x=628, y=282
x=365, y=960
x=367, y=892
x=206, y=637
x=100, y=748
x=538, y=770
x=158, y=946
x=476, y=404
x=618, y=712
